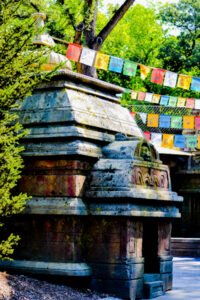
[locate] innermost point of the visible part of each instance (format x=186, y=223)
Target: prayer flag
x=156, y=138
x=197, y=104
x=179, y=141
x=189, y=103
x=127, y=91
x=116, y=64
x=147, y=135
x=73, y=52
x=133, y=95
x=184, y=82
x=191, y=141
x=168, y=140
x=195, y=85
x=188, y=122
x=198, y=141
x=130, y=68
x=172, y=101
x=153, y=120
x=176, y=121
x=87, y=57
x=148, y=97
x=164, y=121
x=181, y=102
x=197, y=122
x=156, y=98
x=157, y=76
x=164, y=100
x=133, y=114
x=141, y=96
x=144, y=71
x=170, y=79
x=101, y=61
x=143, y=117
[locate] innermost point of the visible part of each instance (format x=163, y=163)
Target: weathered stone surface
x=153, y=289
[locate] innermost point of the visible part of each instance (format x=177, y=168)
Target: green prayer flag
x=176, y=121
x=191, y=141
x=130, y=68
x=172, y=101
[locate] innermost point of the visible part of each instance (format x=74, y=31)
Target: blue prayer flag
x=116, y=64
x=164, y=121
x=179, y=141
x=195, y=85
x=164, y=100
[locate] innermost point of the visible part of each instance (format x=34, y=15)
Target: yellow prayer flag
x=153, y=120
x=101, y=61
x=144, y=71
x=181, y=102
x=188, y=122
x=168, y=140
x=156, y=98
x=134, y=95
x=184, y=82
x=198, y=141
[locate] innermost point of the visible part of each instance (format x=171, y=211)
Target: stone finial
x=44, y=38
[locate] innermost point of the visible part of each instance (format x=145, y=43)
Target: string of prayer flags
x=141, y=96
x=152, y=120
x=156, y=138
x=144, y=71
x=197, y=122
x=116, y=64
x=157, y=76
x=164, y=100
x=130, y=68
x=195, y=85
x=198, y=141
x=176, y=122
x=147, y=136
x=148, y=97
x=179, y=141
x=172, y=101
x=164, y=121
x=184, y=82
x=87, y=57
x=101, y=61
x=168, y=140
x=191, y=141
x=73, y=52
x=190, y=103
x=197, y=104
x=181, y=102
x=170, y=79
x=188, y=122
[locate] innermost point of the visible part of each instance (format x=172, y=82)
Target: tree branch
x=112, y=23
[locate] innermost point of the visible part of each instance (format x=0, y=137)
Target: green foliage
x=20, y=65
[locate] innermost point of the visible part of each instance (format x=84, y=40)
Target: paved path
x=186, y=283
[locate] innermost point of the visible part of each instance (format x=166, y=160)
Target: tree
x=18, y=77
x=82, y=19
x=182, y=53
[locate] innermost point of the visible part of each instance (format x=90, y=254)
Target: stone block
x=153, y=289
x=167, y=278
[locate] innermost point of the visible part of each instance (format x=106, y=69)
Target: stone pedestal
x=101, y=203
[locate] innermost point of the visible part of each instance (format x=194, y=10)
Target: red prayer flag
x=197, y=122
x=133, y=114
x=141, y=96
x=147, y=135
x=190, y=103
x=157, y=76
x=73, y=52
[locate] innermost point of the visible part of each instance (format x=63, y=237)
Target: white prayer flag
x=170, y=79
x=148, y=97
x=197, y=104
x=143, y=116
x=87, y=57
x=156, y=138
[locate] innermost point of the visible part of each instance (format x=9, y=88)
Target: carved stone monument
x=101, y=203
